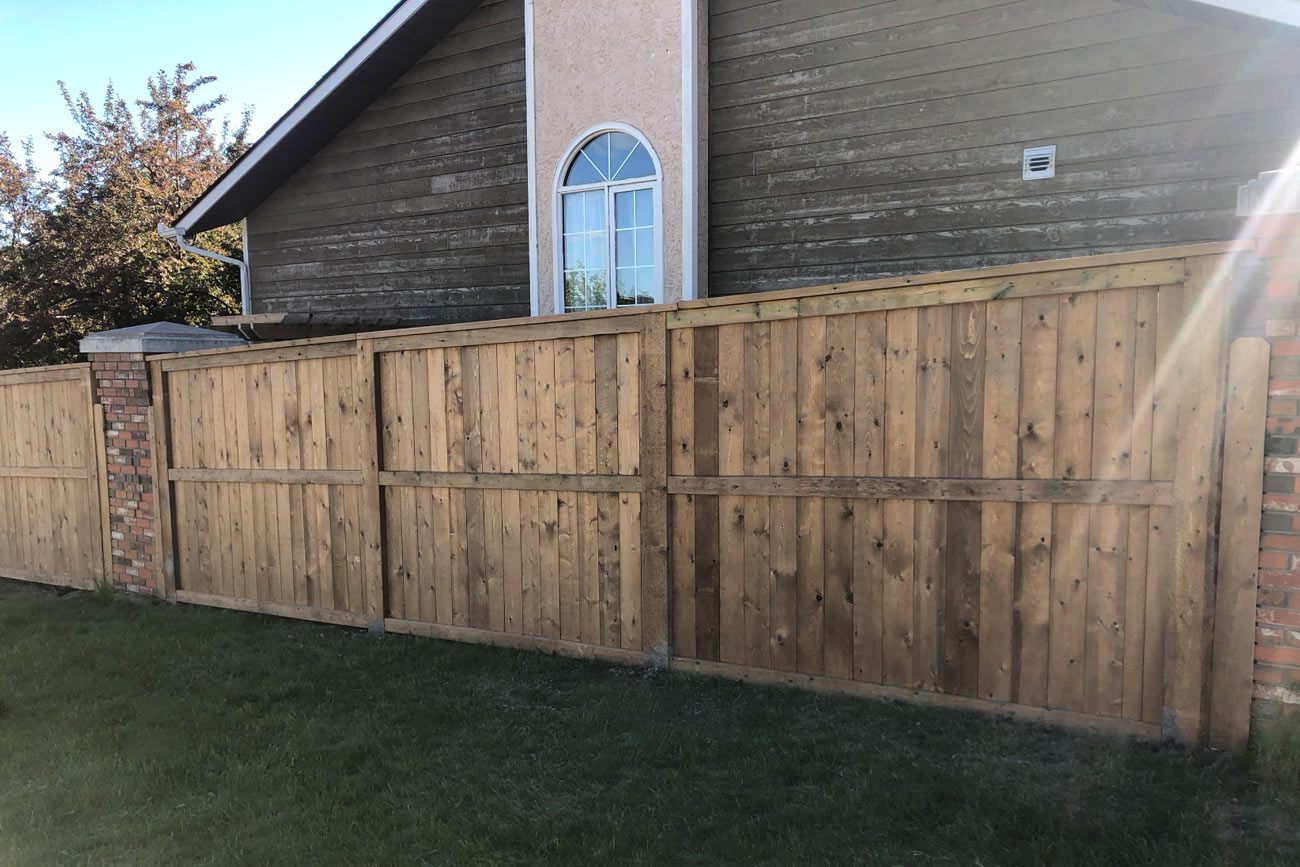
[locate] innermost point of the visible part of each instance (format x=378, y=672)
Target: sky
x=265, y=53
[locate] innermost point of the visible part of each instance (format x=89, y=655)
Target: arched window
x=608, y=243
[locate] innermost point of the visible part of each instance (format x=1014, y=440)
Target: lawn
x=141, y=734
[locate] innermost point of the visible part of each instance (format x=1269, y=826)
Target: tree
x=22, y=194
x=85, y=255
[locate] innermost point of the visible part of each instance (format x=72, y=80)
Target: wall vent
x=1039, y=163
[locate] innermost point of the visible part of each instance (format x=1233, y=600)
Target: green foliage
x=1275, y=749
x=79, y=251
x=146, y=734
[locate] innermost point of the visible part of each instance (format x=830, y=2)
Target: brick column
x=122, y=388
x=1273, y=204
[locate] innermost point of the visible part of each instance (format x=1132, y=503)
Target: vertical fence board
x=900, y=515
x=1243, y=469
x=1194, y=511
x=708, y=521
x=811, y=458
x=933, y=404
x=652, y=414
x=998, y=520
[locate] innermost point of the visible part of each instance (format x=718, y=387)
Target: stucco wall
x=613, y=62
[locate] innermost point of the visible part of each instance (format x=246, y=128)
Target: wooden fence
x=967, y=489
x=449, y=482
x=997, y=489
x=52, y=480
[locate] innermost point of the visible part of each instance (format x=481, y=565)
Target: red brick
x=1278, y=655
x=1274, y=560
x=1264, y=674
x=1278, y=541
x=1279, y=617
x=1282, y=502
x=1281, y=287
x=1279, y=579
x=1284, y=266
x=1282, y=407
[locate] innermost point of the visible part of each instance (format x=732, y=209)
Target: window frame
x=610, y=189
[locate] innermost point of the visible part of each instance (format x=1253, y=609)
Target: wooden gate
x=53, y=517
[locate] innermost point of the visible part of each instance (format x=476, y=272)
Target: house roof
x=412, y=27
x=391, y=48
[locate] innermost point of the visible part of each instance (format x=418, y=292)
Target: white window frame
x=559, y=191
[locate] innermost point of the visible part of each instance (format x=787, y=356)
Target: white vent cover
x=1039, y=163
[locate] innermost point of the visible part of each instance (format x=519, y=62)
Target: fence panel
x=264, y=460
x=511, y=469
x=963, y=490
x=52, y=511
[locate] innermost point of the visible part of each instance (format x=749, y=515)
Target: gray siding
x=859, y=138
x=419, y=208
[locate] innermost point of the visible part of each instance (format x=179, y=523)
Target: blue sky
x=265, y=53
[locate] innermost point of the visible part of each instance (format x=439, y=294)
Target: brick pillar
x=122, y=389
x=1273, y=204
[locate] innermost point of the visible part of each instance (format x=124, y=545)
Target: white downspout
x=245, y=285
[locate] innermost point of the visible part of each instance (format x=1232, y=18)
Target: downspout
x=245, y=286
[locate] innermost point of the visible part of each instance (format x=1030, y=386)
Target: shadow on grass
x=147, y=734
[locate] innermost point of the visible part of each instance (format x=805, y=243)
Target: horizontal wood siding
x=858, y=138
x=418, y=210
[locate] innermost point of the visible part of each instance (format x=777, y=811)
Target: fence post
x=160, y=427
x=371, y=518
x=1272, y=204
x=123, y=396
x=655, y=627
x=124, y=391
x=1234, y=603
x=99, y=496
x=1194, y=514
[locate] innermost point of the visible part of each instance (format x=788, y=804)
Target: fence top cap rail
x=425, y=330
x=20, y=372
x=1155, y=254
x=1129, y=257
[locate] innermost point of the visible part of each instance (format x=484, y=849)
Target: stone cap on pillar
x=1275, y=192
x=157, y=338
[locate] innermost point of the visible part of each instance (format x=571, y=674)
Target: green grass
x=142, y=734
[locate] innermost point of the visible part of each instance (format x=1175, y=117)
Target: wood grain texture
x=1235, y=597
x=851, y=141
x=53, y=497
x=416, y=212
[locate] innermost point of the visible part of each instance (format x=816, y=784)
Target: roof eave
x=404, y=35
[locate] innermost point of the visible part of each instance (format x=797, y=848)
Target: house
x=471, y=160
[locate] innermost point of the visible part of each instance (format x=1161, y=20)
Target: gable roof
x=413, y=27
x=391, y=48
